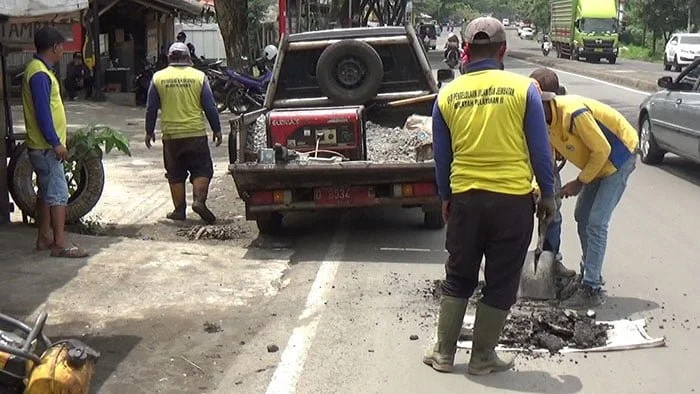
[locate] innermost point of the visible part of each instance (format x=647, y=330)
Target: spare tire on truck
x=349, y=72
x=85, y=186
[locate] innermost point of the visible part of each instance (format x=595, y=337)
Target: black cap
x=46, y=37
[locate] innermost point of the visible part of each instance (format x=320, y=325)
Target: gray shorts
x=51, y=177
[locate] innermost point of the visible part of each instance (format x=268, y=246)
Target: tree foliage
x=535, y=11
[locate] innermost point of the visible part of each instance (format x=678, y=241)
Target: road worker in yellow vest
x=599, y=141
x=184, y=96
x=45, y=122
x=489, y=139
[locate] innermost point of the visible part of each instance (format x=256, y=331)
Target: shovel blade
x=539, y=283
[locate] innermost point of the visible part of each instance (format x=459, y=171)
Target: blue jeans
x=594, y=208
x=51, y=177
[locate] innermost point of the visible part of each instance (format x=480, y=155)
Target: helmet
x=451, y=35
x=270, y=52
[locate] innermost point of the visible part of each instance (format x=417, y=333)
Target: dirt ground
x=168, y=312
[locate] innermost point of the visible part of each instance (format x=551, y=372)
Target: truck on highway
x=308, y=148
x=585, y=29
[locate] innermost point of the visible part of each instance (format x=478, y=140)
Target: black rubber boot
x=442, y=355
x=488, y=325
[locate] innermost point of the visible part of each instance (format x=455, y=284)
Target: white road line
x=406, y=250
x=288, y=371
x=588, y=78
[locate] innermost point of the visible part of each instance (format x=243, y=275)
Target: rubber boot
x=450, y=319
x=488, y=325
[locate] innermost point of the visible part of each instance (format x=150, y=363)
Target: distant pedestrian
x=489, y=136
x=78, y=77
x=182, y=93
x=598, y=140
x=45, y=122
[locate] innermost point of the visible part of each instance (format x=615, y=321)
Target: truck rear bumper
x=296, y=186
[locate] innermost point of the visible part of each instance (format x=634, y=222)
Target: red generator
x=337, y=129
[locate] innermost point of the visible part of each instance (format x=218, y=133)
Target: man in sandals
x=182, y=93
x=45, y=122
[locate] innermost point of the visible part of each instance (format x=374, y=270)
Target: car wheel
x=676, y=67
x=349, y=72
x=667, y=64
x=649, y=150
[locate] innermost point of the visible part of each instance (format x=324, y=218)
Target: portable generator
x=31, y=364
x=335, y=129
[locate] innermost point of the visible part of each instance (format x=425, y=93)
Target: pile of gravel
x=386, y=144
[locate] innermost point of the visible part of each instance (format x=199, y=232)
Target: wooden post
x=97, y=93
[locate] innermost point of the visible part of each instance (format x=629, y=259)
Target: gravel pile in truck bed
x=386, y=144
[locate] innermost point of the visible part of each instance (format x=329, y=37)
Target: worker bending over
x=602, y=143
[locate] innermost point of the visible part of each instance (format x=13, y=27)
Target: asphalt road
x=356, y=293
x=626, y=70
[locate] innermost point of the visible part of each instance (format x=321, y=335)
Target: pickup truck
x=307, y=148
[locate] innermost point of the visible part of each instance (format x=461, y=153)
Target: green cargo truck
x=585, y=29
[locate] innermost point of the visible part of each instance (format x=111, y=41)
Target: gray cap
x=487, y=26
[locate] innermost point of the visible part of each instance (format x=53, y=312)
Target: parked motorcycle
x=142, y=81
x=246, y=93
x=217, y=82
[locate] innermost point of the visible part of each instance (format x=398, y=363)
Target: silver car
x=669, y=120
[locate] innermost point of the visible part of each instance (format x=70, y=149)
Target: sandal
x=70, y=252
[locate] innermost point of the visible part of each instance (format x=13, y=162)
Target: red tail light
x=262, y=198
x=424, y=189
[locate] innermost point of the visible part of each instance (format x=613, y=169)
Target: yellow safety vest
x=485, y=112
x=180, y=91
x=603, y=129
x=35, y=138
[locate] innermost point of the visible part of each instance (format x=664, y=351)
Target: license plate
x=343, y=195
x=599, y=49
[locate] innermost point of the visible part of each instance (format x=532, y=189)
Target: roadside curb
x=634, y=83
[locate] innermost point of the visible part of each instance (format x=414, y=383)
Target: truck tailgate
x=254, y=176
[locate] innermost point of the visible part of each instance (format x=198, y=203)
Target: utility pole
x=688, y=18
x=97, y=93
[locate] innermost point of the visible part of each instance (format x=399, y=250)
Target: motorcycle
x=217, y=82
x=546, y=48
x=246, y=93
x=452, y=57
x=142, y=81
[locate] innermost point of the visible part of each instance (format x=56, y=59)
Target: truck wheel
x=433, y=220
x=612, y=60
x=270, y=225
x=85, y=185
x=349, y=72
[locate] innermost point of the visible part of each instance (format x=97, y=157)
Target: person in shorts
x=45, y=122
x=182, y=93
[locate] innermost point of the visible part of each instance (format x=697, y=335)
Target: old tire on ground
x=270, y=225
x=433, y=220
x=649, y=151
x=349, y=72
x=88, y=188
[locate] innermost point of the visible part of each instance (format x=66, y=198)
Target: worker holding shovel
x=602, y=143
x=489, y=137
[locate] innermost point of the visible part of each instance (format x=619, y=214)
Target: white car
x=526, y=33
x=681, y=50
x=506, y=22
